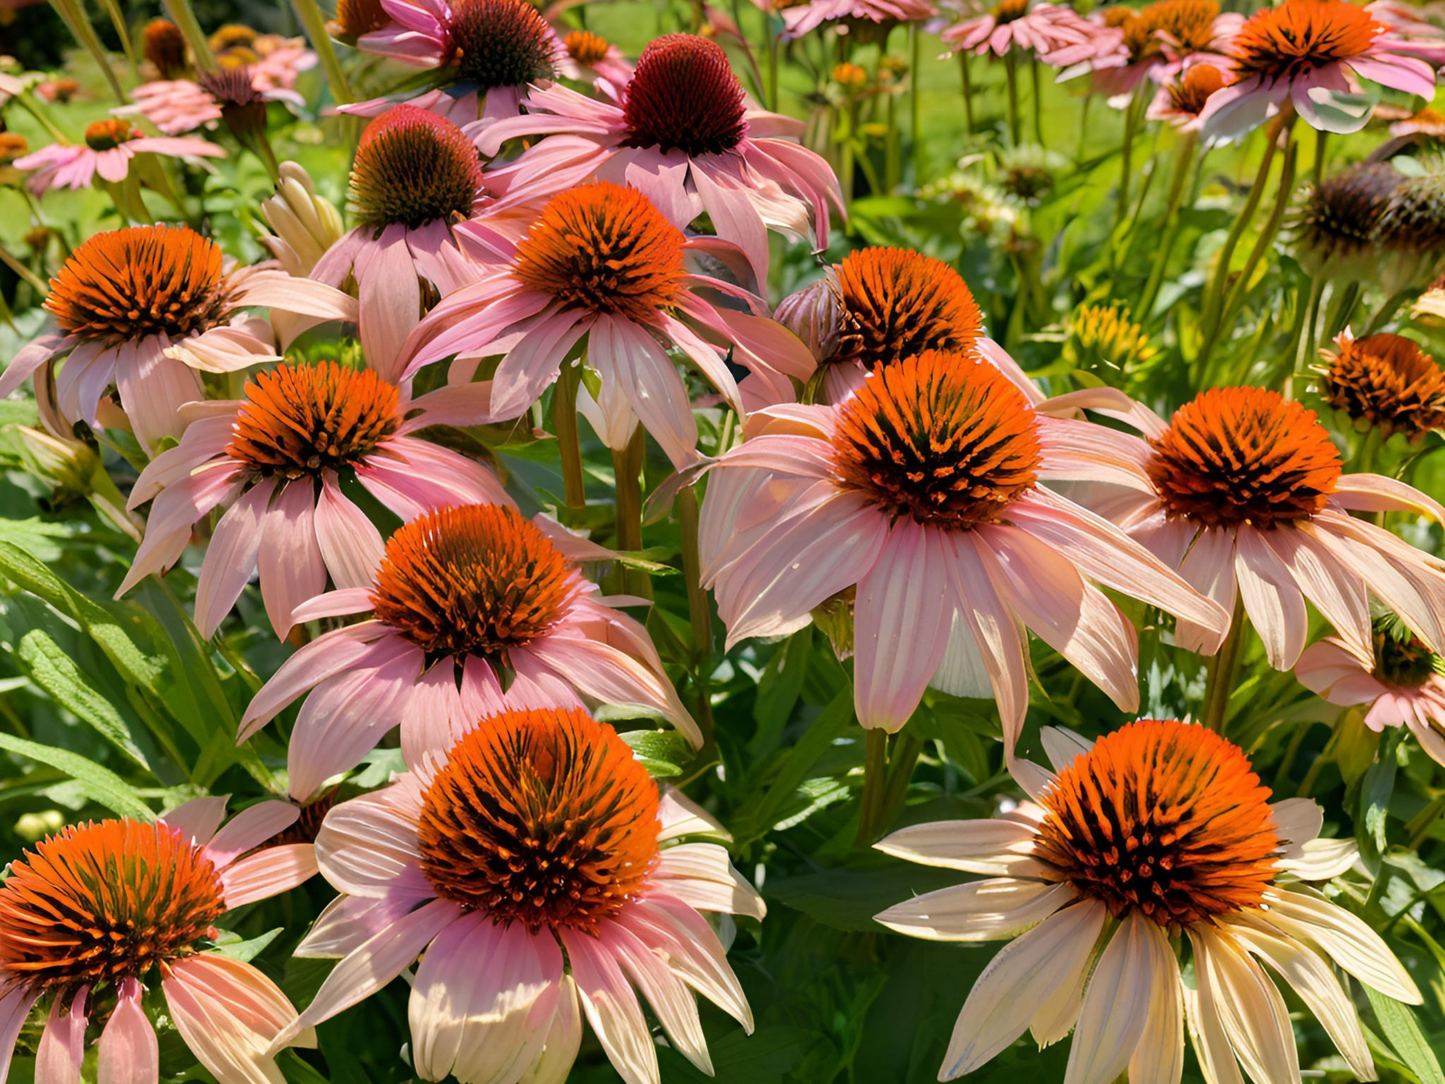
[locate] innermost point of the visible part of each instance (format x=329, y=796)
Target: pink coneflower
x=415, y=176
x=602, y=262
x=1055, y=33
x=1157, y=41
x=1312, y=54
x=924, y=492
x=1181, y=100
x=491, y=51
x=141, y=308
x=470, y=594
x=1416, y=34
x=1249, y=503
x=1404, y=684
x=279, y=61
x=99, y=909
x=181, y=105
x=541, y=876
x=864, y=19
x=684, y=136
x=275, y=458
x=107, y=151
x=590, y=57
x=1096, y=928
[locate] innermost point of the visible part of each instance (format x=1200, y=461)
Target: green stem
x=774, y=43
x=564, y=422
x=875, y=785
x=1321, y=140
x=1385, y=311
x=1342, y=305
x=73, y=14
x=1083, y=127
x=185, y=19
x=1221, y=672
x=314, y=24
x=1235, y=297
x=117, y=20
x=699, y=614
x=1131, y=123
x=845, y=163
x=29, y=105
x=1010, y=65
x=1038, y=102
x=627, y=467
x=1184, y=156
x=23, y=270
x=915, y=99
x=967, y=89
x=1306, y=333
x=1418, y=827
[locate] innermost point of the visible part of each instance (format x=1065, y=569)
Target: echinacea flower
x=684, y=137
x=415, y=176
x=863, y=20
x=1157, y=42
x=182, y=105
x=355, y=18
x=1336, y=229
x=1181, y=100
x=163, y=44
x=1155, y=839
x=925, y=491
x=107, y=152
x=489, y=51
x=591, y=57
x=1404, y=684
x=1385, y=382
x=97, y=910
x=1055, y=33
x=469, y=594
x=1427, y=122
x=601, y=261
x=1310, y=54
x=275, y=459
x=541, y=876
x=138, y=307
x=876, y=307
x=1412, y=28
x=1250, y=504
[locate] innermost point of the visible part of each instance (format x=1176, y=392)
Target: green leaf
x=661, y=752
x=231, y=944
x=758, y=817
x=53, y=671
x=1402, y=1030
x=100, y=784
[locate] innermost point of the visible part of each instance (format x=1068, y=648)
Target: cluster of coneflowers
x=541, y=232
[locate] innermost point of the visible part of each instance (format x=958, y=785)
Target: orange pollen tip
x=1301, y=36
x=413, y=167
x=1387, y=381
x=1233, y=456
x=607, y=249
x=124, y=285
x=475, y=580
x=102, y=135
x=684, y=96
x=1193, y=89
x=1166, y=819
x=896, y=303
x=585, y=47
x=101, y=902
x=357, y=17
x=540, y=817
x=501, y=43
x=945, y=439
x=164, y=46
x=300, y=420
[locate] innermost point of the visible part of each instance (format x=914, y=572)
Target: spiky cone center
x=1414, y=220
x=100, y=902
x=1344, y=213
x=357, y=17
x=1191, y=90
x=104, y=135
x=1234, y=456
x=540, y=817
x=940, y=438
x=684, y=96
x=300, y=420
x=1297, y=37
x=1387, y=381
x=1164, y=819
x=501, y=43
x=605, y=249
x=895, y=303
x=234, y=91
x=413, y=167
x=1402, y=660
x=1189, y=24
x=474, y=580
x=585, y=47
x=164, y=45
x=1007, y=11
x=123, y=285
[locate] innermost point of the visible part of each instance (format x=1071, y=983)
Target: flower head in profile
x=1310, y=55
x=1055, y=33
x=274, y=460
x=1386, y=382
x=140, y=309
x=926, y=494
x=100, y=912
x=1403, y=685
x=1181, y=100
x=1156, y=841
x=1249, y=502
x=591, y=58
x=182, y=105
x=489, y=51
x=683, y=135
x=1336, y=228
x=601, y=261
x=462, y=600
x=1158, y=42
x=542, y=877
x=109, y=147
x=164, y=46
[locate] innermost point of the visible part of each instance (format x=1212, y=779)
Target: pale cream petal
x=981, y=911
x=998, y=848
x=1296, y=822
x=1206, y=1034
x=1250, y=1008
x=1116, y=1003
x=1062, y=746
x=1159, y=1057
x=1321, y=859
x=1024, y=973
x=1344, y=938
x=1311, y=978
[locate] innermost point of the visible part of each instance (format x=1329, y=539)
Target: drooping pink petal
x=250, y=828
x=612, y=1009
x=327, y=655
x=1272, y=599
x=289, y=560
x=198, y=819
x=128, y=1052
x=231, y=557
x=229, y=1014
x=267, y=873
x=62, y=1043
